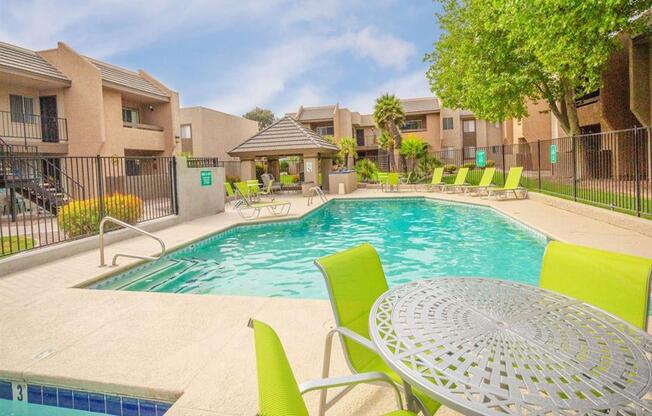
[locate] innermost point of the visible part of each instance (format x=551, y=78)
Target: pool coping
x=124, y=269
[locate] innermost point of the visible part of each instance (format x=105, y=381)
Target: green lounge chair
x=511, y=184
x=253, y=185
x=230, y=195
x=279, y=394
x=269, y=189
x=618, y=283
x=437, y=179
x=460, y=181
x=248, y=209
x=355, y=279
x=382, y=179
x=484, y=184
x=244, y=191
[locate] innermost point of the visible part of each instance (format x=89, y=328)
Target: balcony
x=33, y=127
x=141, y=126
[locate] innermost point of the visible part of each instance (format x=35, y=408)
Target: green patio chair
x=269, y=189
x=393, y=181
x=279, y=394
x=460, y=181
x=484, y=184
x=437, y=179
x=253, y=185
x=618, y=283
x=230, y=195
x=355, y=279
x=511, y=184
x=382, y=179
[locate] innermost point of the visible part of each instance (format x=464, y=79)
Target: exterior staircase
x=23, y=173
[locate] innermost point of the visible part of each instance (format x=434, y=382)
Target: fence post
x=574, y=151
x=539, y=161
x=503, y=157
x=175, y=195
x=637, y=176
x=100, y=184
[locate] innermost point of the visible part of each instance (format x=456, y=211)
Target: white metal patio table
x=494, y=347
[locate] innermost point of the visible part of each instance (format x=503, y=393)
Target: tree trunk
x=571, y=110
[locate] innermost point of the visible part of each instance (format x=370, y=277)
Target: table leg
x=410, y=401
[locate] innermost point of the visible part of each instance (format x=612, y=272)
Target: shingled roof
x=420, y=105
x=317, y=113
x=285, y=135
x=16, y=58
x=126, y=78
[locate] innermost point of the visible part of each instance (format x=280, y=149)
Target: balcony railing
x=33, y=127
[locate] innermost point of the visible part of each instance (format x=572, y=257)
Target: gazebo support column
x=326, y=167
x=247, y=170
x=310, y=168
x=274, y=168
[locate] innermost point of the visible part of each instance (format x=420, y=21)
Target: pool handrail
x=131, y=227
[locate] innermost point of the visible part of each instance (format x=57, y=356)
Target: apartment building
x=63, y=103
x=210, y=133
x=441, y=128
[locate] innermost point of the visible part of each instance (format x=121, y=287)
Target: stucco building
x=210, y=133
x=441, y=128
x=64, y=103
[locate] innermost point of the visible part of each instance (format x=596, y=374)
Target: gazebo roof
x=285, y=137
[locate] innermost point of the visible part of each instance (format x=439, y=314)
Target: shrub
x=490, y=164
x=284, y=166
x=260, y=169
x=470, y=165
x=450, y=168
x=232, y=179
x=426, y=165
x=366, y=169
x=82, y=217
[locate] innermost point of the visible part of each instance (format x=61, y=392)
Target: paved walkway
x=197, y=348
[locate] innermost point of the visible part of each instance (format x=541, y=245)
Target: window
x=325, y=130
x=468, y=126
x=130, y=115
x=21, y=108
x=448, y=123
x=413, y=125
x=449, y=152
x=186, y=131
x=469, y=152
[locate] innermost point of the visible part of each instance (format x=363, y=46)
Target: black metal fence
x=202, y=162
x=47, y=200
x=611, y=170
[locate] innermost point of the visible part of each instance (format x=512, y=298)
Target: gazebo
x=286, y=137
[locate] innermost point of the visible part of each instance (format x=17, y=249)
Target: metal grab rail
x=316, y=190
x=133, y=256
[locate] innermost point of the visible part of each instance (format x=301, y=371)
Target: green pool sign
x=553, y=153
x=480, y=158
x=206, y=178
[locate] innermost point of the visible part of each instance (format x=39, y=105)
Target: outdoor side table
x=494, y=347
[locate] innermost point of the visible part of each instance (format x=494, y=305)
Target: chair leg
x=328, y=348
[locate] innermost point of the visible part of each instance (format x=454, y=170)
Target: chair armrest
x=354, y=336
x=343, y=381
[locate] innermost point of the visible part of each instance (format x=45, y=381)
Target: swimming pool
x=416, y=238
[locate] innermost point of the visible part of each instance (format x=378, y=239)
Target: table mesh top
x=492, y=347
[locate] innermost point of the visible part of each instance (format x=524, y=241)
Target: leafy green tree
x=262, y=116
x=494, y=56
x=413, y=147
x=347, y=147
x=389, y=116
x=387, y=143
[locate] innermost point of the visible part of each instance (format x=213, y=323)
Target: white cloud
x=384, y=49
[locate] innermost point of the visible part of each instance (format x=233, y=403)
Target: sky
x=234, y=55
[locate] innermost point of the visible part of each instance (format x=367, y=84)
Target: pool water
x=14, y=408
x=416, y=239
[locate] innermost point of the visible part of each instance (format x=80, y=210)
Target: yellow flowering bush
x=82, y=217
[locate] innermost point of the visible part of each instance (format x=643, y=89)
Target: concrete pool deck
x=196, y=349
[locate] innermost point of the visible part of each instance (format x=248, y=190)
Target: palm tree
x=389, y=116
x=387, y=142
x=347, y=150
